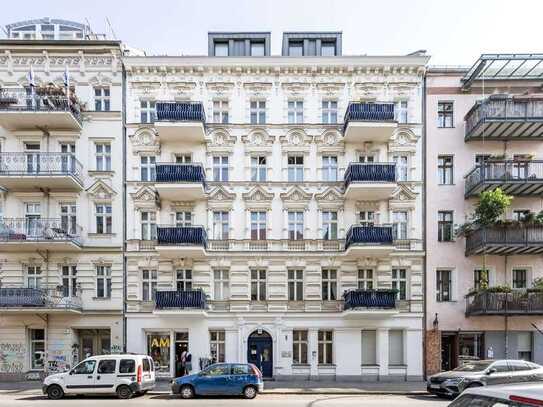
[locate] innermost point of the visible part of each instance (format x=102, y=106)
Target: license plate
x=435, y=386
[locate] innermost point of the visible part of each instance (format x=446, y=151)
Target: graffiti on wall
x=12, y=357
x=115, y=348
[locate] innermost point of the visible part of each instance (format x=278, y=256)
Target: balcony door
x=32, y=220
x=32, y=158
x=400, y=225
x=68, y=218
x=68, y=158
x=33, y=277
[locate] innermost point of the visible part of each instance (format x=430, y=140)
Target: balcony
x=370, y=302
x=369, y=241
x=369, y=122
x=28, y=234
x=20, y=299
x=181, y=241
x=369, y=181
x=513, y=303
x=181, y=302
x=180, y=121
x=275, y=245
x=30, y=171
x=46, y=109
x=505, y=118
x=514, y=177
x=180, y=182
x=503, y=240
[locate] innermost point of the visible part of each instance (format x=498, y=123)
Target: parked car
x=221, y=379
x=482, y=373
x=515, y=395
x=124, y=375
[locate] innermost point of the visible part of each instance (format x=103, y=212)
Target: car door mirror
x=490, y=371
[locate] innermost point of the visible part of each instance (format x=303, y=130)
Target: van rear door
x=148, y=378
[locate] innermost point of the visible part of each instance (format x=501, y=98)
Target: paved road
x=33, y=400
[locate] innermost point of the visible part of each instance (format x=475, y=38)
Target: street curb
x=331, y=393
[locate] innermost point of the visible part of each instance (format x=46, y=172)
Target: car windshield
x=473, y=366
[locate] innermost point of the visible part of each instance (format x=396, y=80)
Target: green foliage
x=491, y=206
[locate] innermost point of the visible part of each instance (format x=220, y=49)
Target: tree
x=491, y=207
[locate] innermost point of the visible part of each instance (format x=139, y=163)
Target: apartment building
x=484, y=132
x=274, y=209
x=61, y=218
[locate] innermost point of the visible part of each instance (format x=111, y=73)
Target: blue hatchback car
x=223, y=379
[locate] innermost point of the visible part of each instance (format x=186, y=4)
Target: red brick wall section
x=433, y=352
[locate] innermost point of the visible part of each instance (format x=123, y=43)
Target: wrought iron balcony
x=514, y=303
x=375, y=112
x=181, y=241
x=505, y=118
x=514, y=177
x=180, y=181
x=369, y=122
x=180, y=112
x=355, y=299
x=180, y=121
x=20, y=233
x=58, y=171
x=178, y=300
x=369, y=236
x=43, y=298
x=505, y=239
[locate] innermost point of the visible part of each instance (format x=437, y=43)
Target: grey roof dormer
x=312, y=43
x=238, y=44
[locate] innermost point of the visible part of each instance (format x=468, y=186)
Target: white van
x=124, y=375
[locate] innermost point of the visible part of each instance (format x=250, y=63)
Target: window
x=369, y=348
x=217, y=346
x=445, y=170
x=220, y=111
x=221, y=226
x=86, y=367
x=241, y=370
x=149, y=284
x=329, y=168
x=329, y=225
x=107, y=366
x=325, y=343
x=295, y=285
x=183, y=219
x=68, y=158
x=365, y=279
x=328, y=48
x=103, y=219
x=444, y=283
x=400, y=225
x=258, y=225
x=37, y=349
x=127, y=366
x=480, y=159
x=524, y=345
x=221, y=49
x=399, y=283
x=221, y=285
x=401, y=111
x=480, y=279
x=148, y=168
x=520, y=214
x=445, y=226
x=329, y=111
x=184, y=280
x=367, y=218
x=33, y=226
x=366, y=158
x=299, y=347
x=401, y=167
x=103, y=281
x=295, y=168
x=445, y=114
x=183, y=158
x=258, y=168
x=101, y=99
x=68, y=218
x=103, y=157
x=395, y=348
x=69, y=281
x=258, y=285
x=158, y=347
x=257, y=49
x=33, y=277
x=258, y=111
x=220, y=168
x=296, y=48
x=147, y=111
x=296, y=225
x=295, y=111
x=329, y=285
x=217, y=370
x=148, y=225
x=520, y=278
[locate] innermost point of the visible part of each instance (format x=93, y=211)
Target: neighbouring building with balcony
x=484, y=131
x=61, y=216
x=274, y=210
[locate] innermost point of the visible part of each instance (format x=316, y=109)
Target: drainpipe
x=124, y=203
x=506, y=317
x=425, y=261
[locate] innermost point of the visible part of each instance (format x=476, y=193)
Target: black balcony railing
x=39, y=229
x=513, y=303
x=188, y=299
x=369, y=299
x=370, y=172
x=181, y=236
x=40, y=164
x=176, y=173
x=368, y=235
x=20, y=297
x=369, y=112
x=22, y=100
x=180, y=112
x=505, y=240
x=514, y=177
x=523, y=119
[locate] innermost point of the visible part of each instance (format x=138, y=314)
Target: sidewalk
x=270, y=387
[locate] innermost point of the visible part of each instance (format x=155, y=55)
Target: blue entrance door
x=260, y=352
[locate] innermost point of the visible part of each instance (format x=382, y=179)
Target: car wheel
x=55, y=392
x=124, y=392
x=186, y=392
x=249, y=392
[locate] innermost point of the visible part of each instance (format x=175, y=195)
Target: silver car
x=482, y=373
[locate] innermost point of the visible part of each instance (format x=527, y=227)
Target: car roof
x=530, y=390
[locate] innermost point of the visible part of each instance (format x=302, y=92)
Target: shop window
x=158, y=347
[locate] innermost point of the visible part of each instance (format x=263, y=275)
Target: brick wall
x=433, y=351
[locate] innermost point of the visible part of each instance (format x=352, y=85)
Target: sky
x=453, y=32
